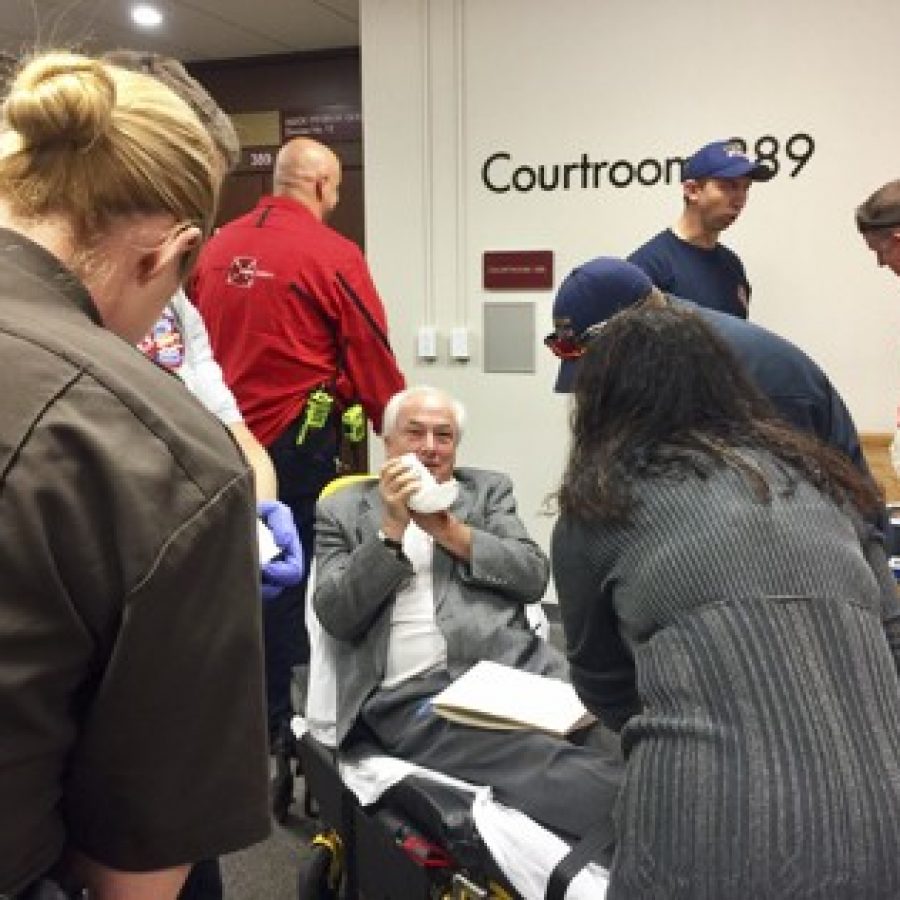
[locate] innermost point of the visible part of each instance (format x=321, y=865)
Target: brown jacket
x=131, y=703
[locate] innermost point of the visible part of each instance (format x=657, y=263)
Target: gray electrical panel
x=509, y=337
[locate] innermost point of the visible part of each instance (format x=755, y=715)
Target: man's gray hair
x=395, y=404
x=881, y=211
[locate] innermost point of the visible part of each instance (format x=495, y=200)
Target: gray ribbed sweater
x=745, y=645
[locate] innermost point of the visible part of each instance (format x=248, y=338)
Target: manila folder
x=491, y=695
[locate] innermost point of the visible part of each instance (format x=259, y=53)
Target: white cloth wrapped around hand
x=431, y=496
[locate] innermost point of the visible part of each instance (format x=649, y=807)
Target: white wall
x=446, y=83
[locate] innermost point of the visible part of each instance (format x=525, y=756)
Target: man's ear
x=174, y=249
x=690, y=188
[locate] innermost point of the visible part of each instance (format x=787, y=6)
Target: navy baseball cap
x=723, y=159
x=590, y=294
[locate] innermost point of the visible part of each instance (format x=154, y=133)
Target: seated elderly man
x=414, y=599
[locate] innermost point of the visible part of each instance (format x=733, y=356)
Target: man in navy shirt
x=687, y=259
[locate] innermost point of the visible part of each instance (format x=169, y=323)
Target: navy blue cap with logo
x=590, y=294
x=723, y=159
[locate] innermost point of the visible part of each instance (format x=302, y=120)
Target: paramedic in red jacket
x=295, y=322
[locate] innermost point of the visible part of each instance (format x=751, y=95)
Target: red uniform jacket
x=290, y=306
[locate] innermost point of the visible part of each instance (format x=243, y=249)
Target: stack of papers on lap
x=491, y=695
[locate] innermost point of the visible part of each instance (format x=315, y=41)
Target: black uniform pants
x=302, y=471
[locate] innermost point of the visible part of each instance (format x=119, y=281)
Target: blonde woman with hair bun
x=129, y=614
x=97, y=165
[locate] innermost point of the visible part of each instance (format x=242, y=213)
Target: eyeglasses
x=188, y=261
x=570, y=346
x=189, y=257
x=564, y=347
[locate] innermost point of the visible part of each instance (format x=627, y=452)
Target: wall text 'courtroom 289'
x=500, y=173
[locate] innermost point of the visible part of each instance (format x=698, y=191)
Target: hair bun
x=61, y=97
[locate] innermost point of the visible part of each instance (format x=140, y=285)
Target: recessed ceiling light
x=146, y=16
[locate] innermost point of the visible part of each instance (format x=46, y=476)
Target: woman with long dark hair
x=727, y=609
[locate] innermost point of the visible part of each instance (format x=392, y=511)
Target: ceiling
x=191, y=30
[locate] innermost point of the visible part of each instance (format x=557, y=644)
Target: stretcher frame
x=366, y=859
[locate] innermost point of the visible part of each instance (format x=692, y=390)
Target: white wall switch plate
x=459, y=343
x=426, y=342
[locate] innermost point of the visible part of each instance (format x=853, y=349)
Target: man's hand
x=397, y=484
x=454, y=536
x=287, y=570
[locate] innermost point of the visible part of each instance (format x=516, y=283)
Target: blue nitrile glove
x=287, y=569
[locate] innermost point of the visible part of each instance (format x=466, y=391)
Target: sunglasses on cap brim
x=572, y=346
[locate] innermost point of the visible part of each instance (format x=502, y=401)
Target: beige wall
x=448, y=82
x=876, y=447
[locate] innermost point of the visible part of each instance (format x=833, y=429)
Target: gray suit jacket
x=479, y=605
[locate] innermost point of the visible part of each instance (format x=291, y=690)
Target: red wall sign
x=517, y=269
